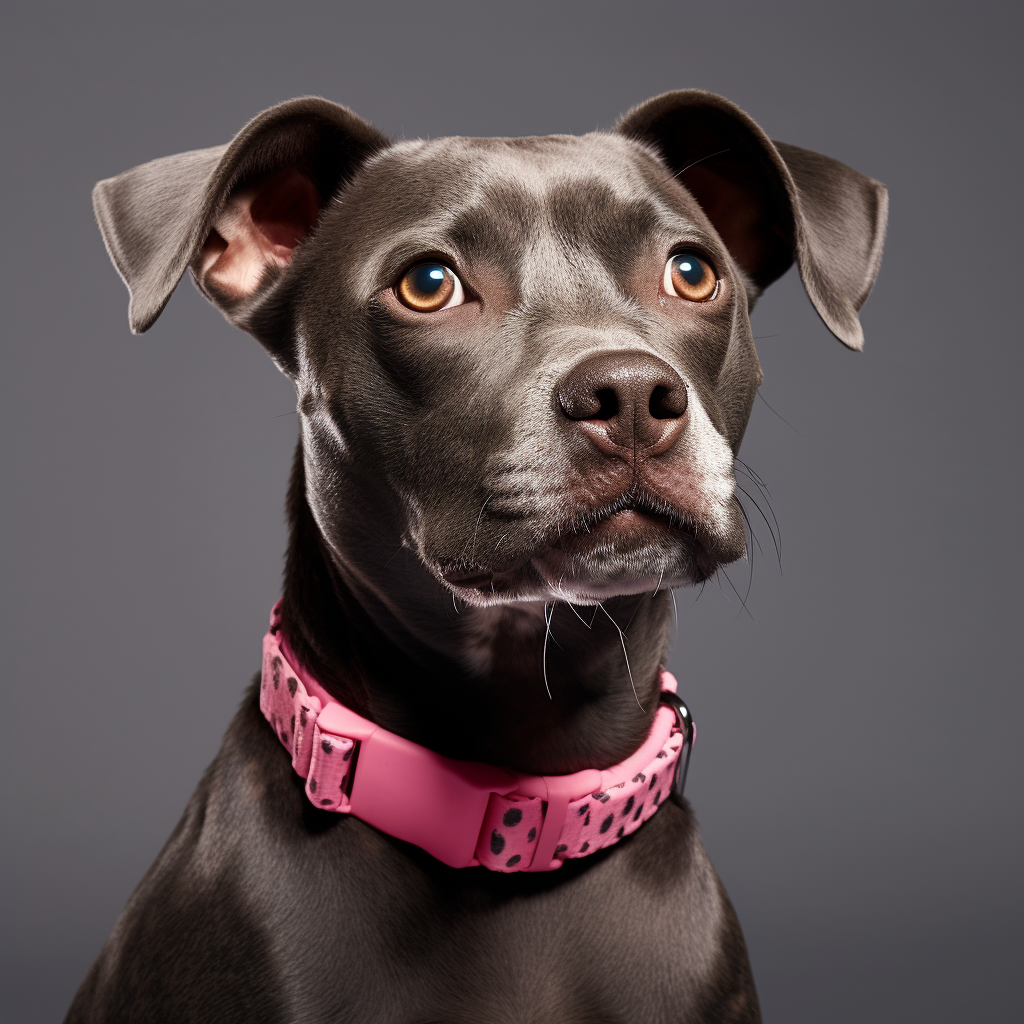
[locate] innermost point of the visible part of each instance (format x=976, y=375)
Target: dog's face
x=527, y=362
x=503, y=333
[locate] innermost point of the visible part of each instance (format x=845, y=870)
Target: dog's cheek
x=740, y=377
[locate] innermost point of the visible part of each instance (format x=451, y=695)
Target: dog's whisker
x=752, y=473
x=773, y=527
x=775, y=540
x=781, y=417
x=750, y=530
x=757, y=482
x=765, y=496
x=544, y=655
x=622, y=640
x=476, y=530
x=700, y=161
x=743, y=603
x=566, y=601
x=633, y=616
x=750, y=571
x=762, y=489
x=577, y=614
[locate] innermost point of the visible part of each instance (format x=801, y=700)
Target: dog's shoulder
x=260, y=904
x=190, y=925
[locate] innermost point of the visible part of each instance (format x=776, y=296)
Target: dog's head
x=526, y=361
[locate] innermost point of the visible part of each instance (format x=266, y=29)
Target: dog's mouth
x=633, y=507
x=639, y=542
x=636, y=543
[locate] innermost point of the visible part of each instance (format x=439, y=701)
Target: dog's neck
x=482, y=697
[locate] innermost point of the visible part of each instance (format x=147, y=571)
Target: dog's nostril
x=609, y=404
x=628, y=400
x=667, y=403
x=655, y=404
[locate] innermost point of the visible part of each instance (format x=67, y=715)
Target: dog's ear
x=771, y=202
x=233, y=213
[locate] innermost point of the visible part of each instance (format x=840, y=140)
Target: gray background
x=857, y=766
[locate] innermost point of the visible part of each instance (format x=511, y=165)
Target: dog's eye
x=430, y=286
x=690, y=277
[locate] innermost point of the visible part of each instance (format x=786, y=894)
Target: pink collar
x=464, y=813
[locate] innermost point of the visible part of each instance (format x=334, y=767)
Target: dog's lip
x=636, y=519
x=470, y=577
x=629, y=520
x=631, y=510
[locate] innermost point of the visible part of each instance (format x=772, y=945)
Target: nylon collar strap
x=464, y=813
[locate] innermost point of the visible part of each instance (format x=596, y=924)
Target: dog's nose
x=628, y=402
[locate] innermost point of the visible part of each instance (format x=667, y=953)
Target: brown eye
x=430, y=286
x=690, y=277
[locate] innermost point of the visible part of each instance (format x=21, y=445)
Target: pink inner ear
x=259, y=227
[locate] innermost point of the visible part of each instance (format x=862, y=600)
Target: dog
x=523, y=370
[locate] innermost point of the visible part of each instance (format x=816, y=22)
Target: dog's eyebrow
x=568, y=206
x=586, y=214
x=498, y=227
x=599, y=220
x=410, y=245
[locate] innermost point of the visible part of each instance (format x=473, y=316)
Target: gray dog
x=524, y=367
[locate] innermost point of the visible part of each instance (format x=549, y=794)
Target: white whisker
x=566, y=600
x=622, y=639
x=477, y=530
x=544, y=657
x=577, y=614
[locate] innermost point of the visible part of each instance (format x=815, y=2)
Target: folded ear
x=771, y=202
x=234, y=213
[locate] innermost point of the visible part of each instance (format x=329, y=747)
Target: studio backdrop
x=856, y=682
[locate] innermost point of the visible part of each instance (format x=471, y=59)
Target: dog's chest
x=263, y=907
x=393, y=938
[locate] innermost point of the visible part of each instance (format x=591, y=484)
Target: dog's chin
x=627, y=553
